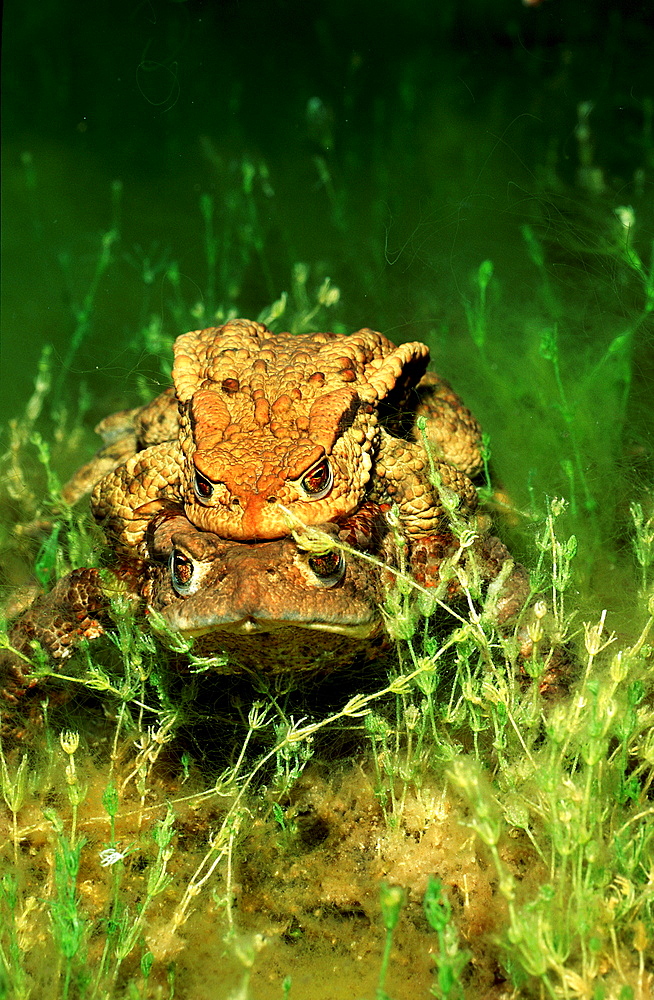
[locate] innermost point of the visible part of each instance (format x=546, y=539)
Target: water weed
x=571, y=779
x=450, y=960
x=464, y=819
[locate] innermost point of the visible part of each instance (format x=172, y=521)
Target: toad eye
x=202, y=487
x=181, y=572
x=318, y=481
x=328, y=566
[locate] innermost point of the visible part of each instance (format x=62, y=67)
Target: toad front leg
x=485, y=572
x=75, y=609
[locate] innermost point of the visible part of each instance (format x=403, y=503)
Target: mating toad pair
x=201, y=493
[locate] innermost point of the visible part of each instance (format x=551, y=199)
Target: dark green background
x=443, y=127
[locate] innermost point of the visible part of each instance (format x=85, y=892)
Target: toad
x=273, y=606
x=278, y=430
x=293, y=605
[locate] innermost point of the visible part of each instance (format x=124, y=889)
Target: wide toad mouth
x=251, y=625
x=216, y=586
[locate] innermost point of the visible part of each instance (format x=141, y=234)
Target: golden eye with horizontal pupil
x=318, y=481
x=181, y=572
x=330, y=564
x=202, y=487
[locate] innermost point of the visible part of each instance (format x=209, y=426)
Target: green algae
x=217, y=839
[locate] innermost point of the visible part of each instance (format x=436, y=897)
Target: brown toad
x=286, y=606
x=277, y=430
x=277, y=606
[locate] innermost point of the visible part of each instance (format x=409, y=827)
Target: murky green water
x=166, y=162
x=392, y=150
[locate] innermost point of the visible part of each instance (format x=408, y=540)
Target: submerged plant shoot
x=464, y=807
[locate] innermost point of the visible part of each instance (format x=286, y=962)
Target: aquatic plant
x=454, y=811
x=571, y=779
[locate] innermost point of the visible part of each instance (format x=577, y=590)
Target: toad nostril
x=272, y=499
x=236, y=502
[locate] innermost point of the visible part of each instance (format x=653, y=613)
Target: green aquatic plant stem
x=567, y=728
x=83, y=313
x=114, y=858
x=391, y=899
x=476, y=311
x=76, y=793
x=526, y=937
x=70, y=928
x=579, y=807
x=335, y=197
x=643, y=543
x=377, y=730
x=537, y=256
x=14, y=789
x=561, y=555
x=326, y=297
x=157, y=881
x=627, y=219
x=13, y=976
x=549, y=350
x=312, y=538
x=450, y=960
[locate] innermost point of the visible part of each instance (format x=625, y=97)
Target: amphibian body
x=208, y=496
x=276, y=431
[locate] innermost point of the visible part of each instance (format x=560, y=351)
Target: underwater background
x=475, y=175
x=163, y=162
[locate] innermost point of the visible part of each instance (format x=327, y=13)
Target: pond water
x=477, y=176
